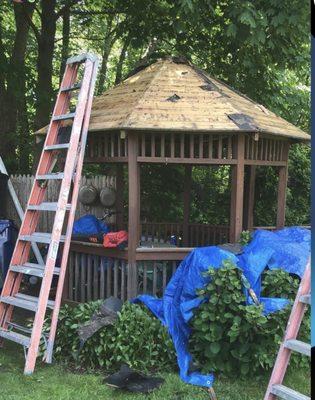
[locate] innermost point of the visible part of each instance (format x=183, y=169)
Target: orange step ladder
x=84, y=68
x=276, y=390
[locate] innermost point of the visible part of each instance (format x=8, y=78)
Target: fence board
x=23, y=185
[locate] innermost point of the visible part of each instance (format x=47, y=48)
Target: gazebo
x=173, y=113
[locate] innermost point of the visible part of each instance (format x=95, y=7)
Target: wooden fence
x=23, y=185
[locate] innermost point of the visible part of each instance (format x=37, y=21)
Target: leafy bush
x=231, y=337
x=137, y=338
x=245, y=238
x=227, y=336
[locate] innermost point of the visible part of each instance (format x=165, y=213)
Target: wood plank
x=163, y=144
x=154, y=288
x=95, y=277
x=134, y=213
x=116, y=270
x=237, y=192
x=200, y=138
x=83, y=267
x=193, y=161
x=76, y=276
x=281, y=200
x=249, y=198
x=89, y=278
x=120, y=196
x=186, y=200
x=152, y=137
x=220, y=147
x=109, y=268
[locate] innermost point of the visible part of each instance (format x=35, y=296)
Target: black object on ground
x=133, y=381
x=106, y=315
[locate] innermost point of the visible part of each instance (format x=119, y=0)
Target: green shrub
x=137, y=338
x=233, y=338
x=245, y=238
x=228, y=336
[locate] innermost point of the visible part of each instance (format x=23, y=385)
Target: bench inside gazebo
x=172, y=113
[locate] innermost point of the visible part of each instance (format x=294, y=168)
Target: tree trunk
x=65, y=41
x=16, y=89
x=121, y=60
x=46, y=44
x=107, y=46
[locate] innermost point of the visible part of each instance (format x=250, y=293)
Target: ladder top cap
x=82, y=57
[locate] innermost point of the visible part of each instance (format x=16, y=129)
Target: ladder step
x=298, y=346
x=25, y=301
x=81, y=58
x=39, y=237
x=58, y=146
x=287, y=394
x=32, y=269
x=63, y=117
x=57, y=175
x=15, y=337
x=46, y=207
x=306, y=299
x=70, y=88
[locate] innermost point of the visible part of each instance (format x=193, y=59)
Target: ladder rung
x=298, y=346
x=57, y=175
x=81, y=58
x=288, y=394
x=63, y=117
x=46, y=207
x=24, y=301
x=306, y=299
x=70, y=88
x=15, y=337
x=58, y=146
x=39, y=237
x=32, y=269
x=19, y=328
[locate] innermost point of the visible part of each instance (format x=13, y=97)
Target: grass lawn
x=56, y=383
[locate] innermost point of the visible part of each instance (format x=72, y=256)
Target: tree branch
x=32, y=25
x=65, y=8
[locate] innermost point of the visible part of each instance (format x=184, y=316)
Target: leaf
x=215, y=347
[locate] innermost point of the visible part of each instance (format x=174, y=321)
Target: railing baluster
x=152, y=137
x=200, y=146
x=154, y=278
x=191, y=146
x=116, y=268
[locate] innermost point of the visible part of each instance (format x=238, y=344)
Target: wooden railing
x=92, y=277
x=198, y=234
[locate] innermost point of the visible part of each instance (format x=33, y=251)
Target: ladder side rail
x=75, y=192
x=22, y=249
x=59, y=220
x=292, y=330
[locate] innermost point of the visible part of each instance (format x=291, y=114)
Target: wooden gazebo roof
x=176, y=96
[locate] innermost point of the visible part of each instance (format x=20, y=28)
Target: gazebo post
x=282, y=186
x=134, y=213
x=187, y=190
x=249, y=198
x=237, y=191
x=120, y=196
x=282, y=189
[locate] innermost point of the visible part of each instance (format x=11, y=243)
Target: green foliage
x=245, y=238
x=136, y=338
x=233, y=338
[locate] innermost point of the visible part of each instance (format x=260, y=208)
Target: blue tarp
x=287, y=249
x=89, y=225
